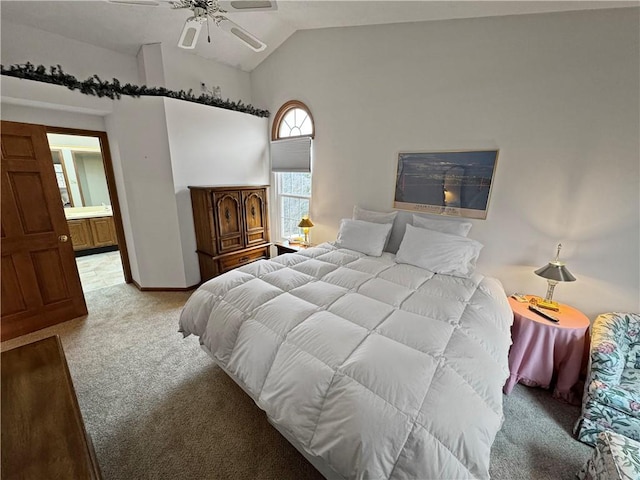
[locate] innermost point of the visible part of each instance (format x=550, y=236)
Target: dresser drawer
x=235, y=260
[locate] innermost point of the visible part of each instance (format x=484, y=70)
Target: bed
x=372, y=368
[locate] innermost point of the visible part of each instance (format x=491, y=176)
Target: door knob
x=63, y=238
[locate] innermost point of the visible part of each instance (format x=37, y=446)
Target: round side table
x=542, y=348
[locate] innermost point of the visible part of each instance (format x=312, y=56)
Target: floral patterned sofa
x=612, y=391
x=615, y=457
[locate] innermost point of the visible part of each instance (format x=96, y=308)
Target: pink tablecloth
x=541, y=348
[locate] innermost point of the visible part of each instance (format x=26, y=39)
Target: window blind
x=291, y=155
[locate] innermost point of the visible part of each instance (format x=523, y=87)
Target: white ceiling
x=124, y=28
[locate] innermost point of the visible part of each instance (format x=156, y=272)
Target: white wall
x=181, y=144
x=176, y=69
x=181, y=70
x=184, y=71
x=93, y=179
x=211, y=146
x=151, y=65
x=171, y=67
x=558, y=94
x=143, y=171
x=21, y=44
x=47, y=116
x=47, y=104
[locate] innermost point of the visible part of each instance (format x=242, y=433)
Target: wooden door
x=228, y=221
x=40, y=282
x=255, y=211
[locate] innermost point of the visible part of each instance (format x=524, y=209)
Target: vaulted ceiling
x=124, y=28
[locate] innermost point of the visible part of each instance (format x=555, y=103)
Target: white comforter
x=382, y=370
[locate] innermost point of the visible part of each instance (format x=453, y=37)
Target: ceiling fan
x=214, y=10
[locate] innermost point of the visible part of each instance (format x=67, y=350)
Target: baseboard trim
x=164, y=289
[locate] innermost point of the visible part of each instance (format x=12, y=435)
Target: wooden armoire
x=232, y=227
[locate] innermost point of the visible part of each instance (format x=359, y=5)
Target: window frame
x=277, y=210
x=275, y=135
x=282, y=112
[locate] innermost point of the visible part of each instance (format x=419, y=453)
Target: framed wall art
x=446, y=183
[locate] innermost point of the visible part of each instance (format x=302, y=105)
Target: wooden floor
x=100, y=270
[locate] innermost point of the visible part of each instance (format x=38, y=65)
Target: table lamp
x=554, y=272
x=305, y=224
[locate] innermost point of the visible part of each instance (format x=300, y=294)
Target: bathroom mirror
x=77, y=161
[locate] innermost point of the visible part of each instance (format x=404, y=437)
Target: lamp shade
x=305, y=223
x=555, y=271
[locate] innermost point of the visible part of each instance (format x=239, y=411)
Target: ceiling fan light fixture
x=190, y=33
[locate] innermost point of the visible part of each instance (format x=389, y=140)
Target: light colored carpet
x=158, y=408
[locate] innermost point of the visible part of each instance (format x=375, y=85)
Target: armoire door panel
x=254, y=208
x=228, y=214
x=229, y=226
x=255, y=217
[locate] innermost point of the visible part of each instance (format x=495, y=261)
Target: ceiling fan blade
x=147, y=3
x=190, y=33
x=249, y=5
x=241, y=34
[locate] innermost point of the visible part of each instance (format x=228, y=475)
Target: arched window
x=292, y=120
x=291, y=132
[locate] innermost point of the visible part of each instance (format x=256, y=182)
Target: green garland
x=96, y=87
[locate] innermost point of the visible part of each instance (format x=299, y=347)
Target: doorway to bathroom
x=84, y=185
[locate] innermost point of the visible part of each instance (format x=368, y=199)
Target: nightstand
x=542, y=349
x=286, y=247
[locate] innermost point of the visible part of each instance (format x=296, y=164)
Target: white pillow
x=372, y=216
x=439, y=252
x=375, y=217
x=365, y=237
x=453, y=227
